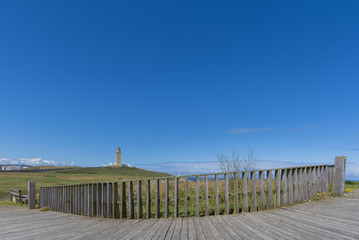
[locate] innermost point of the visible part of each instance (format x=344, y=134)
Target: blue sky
x=179, y=81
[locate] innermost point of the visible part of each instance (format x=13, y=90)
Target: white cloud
x=27, y=161
x=248, y=130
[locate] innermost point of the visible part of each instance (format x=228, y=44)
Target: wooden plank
x=109, y=200
x=99, y=200
x=254, y=191
x=176, y=198
x=319, y=180
x=339, y=175
x=322, y=178
x=326, y=179
x=84, y=199
x=270, y=190
x=184, y=229
x=277, y=188
x=123, y=201
x=191, y=229
x=217, y=195
x=90, y=200
x=290, y=186
x=115, y=207
x=261, y=189
x=314, y=182
x=157, y=198
x=245, y=207
x=94, y=198
x=104, y=200
x=139, y=199
x=305, y=171
x=186, y=197
x=197, y=196
x=300, y=185
x=236, y=193
x=295, y=183
x=131, y=209
x=207, y=196
x=226, y=192
x=284, y=187
x=148, y=199
x=167, y=198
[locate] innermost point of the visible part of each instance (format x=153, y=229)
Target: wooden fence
x=17, y=196
x=194, y=195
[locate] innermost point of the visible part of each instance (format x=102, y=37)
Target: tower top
x=118, y=149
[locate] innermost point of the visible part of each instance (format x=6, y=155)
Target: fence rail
x=194, y=195
x=17, y=196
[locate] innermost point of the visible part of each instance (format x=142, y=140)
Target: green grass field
x=18, y=180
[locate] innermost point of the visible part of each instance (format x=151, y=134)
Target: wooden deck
x=334, y=218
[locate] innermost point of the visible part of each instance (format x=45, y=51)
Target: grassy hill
x=49, y=177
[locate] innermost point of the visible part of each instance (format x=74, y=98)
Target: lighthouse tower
x=118, y=157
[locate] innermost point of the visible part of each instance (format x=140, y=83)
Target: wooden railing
x=194, y=195
x=17, y=196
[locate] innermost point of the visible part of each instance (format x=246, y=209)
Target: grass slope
x=19, y=179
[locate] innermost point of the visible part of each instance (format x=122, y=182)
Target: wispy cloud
x=248, y=130
x=300, y=128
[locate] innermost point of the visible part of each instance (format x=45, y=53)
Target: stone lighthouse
x=118, y=157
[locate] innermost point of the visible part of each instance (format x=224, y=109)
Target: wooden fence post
x=270, y=190
x=148, y=199
x=254, y=191
x=226, y=192
x=339, y=175
x=197, y=196
x=131, y=209
x=245, y=207
x=207, y=197
x=167, y=183
x=176, y=198
x=217, y=195
x=261, y=189
x=31, y=194
x=139, y=199
x=157, y=199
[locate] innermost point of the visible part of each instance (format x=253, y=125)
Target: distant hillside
x=53, y=177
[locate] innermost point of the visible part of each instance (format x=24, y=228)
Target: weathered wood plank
x=166, y=198
x=217, y=195
x=245, y=207
x=131, y=207
x=148, y=199
x=295, y=183
x=339, y=178
x=236, y=194
x=186, y=197
x=139, y=199
x=277, y=188
x=284, y=187
x=254, y=191
x=290, y=186
x=207, y=196
x=157, y=198
x=226, y=192
x=270, y=190
x=261, y=189
x=123, y=201
x=176, y=210
x=197, y=196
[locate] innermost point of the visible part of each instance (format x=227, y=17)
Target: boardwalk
x=334, y=218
